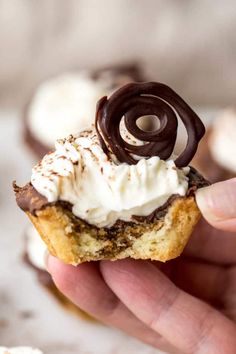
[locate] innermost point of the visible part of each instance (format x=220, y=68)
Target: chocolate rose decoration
x=135, y=100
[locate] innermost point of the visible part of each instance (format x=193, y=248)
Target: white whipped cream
x=223, y=140
x=63, y=105
x=19, y=350
x=35, y=248
x=100, y=190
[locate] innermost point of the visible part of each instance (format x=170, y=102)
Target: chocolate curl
x=135, y=100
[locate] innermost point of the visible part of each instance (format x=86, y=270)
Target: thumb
x=218, y=204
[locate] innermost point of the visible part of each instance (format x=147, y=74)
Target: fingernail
x=218, y=202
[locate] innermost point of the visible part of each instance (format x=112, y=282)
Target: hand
x=187, y=305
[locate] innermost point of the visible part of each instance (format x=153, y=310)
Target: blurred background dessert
x=66, y=104
x=34, y=257
x=20, y=350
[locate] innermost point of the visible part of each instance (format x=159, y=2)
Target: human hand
x=187, y=305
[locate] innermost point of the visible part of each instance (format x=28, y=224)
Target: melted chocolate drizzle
x=135, y=100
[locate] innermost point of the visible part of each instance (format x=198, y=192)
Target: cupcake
x=216, y=158
x=60, y=106
x=35, y=250
x=115, y=190
x=66, y=104
x=19, y=350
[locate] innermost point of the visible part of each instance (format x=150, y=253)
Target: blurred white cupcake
x=216, y=158
x=34, y=256
x=66, y=104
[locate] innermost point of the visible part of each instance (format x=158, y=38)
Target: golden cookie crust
x=74, y=241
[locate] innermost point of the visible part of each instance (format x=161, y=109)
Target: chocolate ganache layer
x=29, y=200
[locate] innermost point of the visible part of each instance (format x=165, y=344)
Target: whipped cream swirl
x=101, y=190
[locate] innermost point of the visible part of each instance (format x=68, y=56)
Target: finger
x=186, y=322
x=218, y=204
x=205, y=281
x=85, y=287
x=212, y=245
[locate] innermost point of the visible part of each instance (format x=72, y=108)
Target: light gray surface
x=28, y=315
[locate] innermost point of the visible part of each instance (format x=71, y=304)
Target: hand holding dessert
x=117, y=191
x=187, y=305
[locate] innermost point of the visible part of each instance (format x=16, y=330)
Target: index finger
x=186, y=322
x=212, y=245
